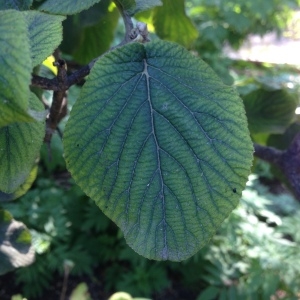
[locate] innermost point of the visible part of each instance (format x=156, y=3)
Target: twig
x=57, y=111
x=287, y=161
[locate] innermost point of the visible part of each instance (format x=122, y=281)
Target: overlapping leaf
x=66, y=7
x=19, y=147
x=171, y=23
x=161, y=145
x=270, y=111
x=15, y=244
x=134, y=6
x=95, y=40
x=90, y=33
x=45, y=34
x=15, y=71
x=15, y=4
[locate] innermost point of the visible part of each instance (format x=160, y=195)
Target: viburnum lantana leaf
x=20, y=144
x=45, y=34
x=16, y=66
x=15, y=4
x=161, y=145
x=66, y=7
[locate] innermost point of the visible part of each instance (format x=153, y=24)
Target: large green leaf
x=45, y=34
x=15, y=244
x=15, y=4
x=15, y=68
x=171, y=23
x=66, y=7
x=19, y=147
x=270, y=111
x=161, y=145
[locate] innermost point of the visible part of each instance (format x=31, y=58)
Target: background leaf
x=270, y=111
x=15, y=4
x=95, y=40
x=171, y=23
x=161, y=145
x=15, y=244
x=19, y=147
x=45, y=34
x=15, y=69
x=66, y=7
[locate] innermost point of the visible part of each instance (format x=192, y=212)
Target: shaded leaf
x=24, y=187
x=209, y=293
x=95, y=40
x=15, y=244
x=270, y=111
x=161, y=145
x=45, y=34
x=135, y=6
x=15, y=71
x=142, y=5
x=66, y=7
x=19, y=147
x=15, y=4
x=171, y=23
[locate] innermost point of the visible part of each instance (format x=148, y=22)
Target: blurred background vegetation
x=256, y=252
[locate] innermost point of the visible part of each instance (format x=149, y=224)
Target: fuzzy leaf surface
x=15, y=4
x=15, y=70
x=171, y=23
x=45, y=34
x=161, y=145
x=20, y=144
x=66, y=7
x=15, y=244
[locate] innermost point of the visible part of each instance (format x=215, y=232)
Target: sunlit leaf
x=161, y=145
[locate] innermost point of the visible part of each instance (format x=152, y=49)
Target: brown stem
x=57, y=111
x=287, y=161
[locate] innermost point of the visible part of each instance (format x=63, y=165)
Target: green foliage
x=172, y=24
x=45, y=34
x=123, y=147
x=15, y=4
x=162, y=144
x=133, y=7
x=20, y=145
x=67, y=7
x=94, y=39
x=270, y=111
x=14, y=101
